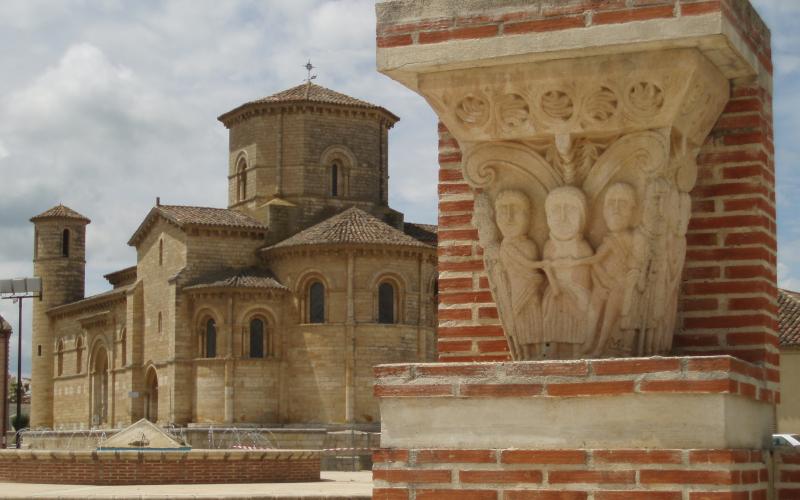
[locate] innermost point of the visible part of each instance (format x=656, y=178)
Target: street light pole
x=19, y=370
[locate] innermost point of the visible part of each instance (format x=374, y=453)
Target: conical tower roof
x=307, y=93
x=60, y=212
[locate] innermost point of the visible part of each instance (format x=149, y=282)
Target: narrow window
x=60, y=358
x=39, y=350
x=65, y=243
x=211, y=339
x=257, y=338
x=241, y=181
x=335, y=179
x=161, y=252
x=124, y=348
x=78, y=355
x=35, y=244
x=159, y=323
x=386, y=313
x=316, y=303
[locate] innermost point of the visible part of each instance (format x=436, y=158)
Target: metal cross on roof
x=309, y=67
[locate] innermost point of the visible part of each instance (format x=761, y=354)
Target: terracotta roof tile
x=353, y=226
x=237, y=278
x=426, y=233
x=789, y=317
x=60, y=211
x=182, y=216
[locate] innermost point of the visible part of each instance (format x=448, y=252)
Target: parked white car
x=786, y=440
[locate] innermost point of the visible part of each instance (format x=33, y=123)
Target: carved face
x=512, y=213
x=618, y=207
x=565, y=208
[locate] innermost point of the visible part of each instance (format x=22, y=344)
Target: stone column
x=615, y=160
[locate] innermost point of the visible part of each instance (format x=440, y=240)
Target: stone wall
x=157, y=467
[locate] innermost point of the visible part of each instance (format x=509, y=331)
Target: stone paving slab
x=334, y=486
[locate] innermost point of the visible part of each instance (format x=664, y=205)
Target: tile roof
x=237, y=278
x=308, y=92
x=353, y=226
x=426, y=233
x=60, y=211
x=789, y=317
x=97, y=298
x=182, y=216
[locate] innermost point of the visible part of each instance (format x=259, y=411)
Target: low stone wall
x=159, y=467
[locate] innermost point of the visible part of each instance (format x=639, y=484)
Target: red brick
x=455, y=456
x=457, y=346
x=501, y=390
x=500, y=476
x=544, y=495
x=469, y=265
x=687, y=477
x=540, y=25
x=742, y=172
x=456, y=495
x=549, y=457
x=457, y=34
x=590, y=388
x=493, y=346
x=749, y=338
x=454, y=315
x=543, y=369
x=699, y=305
x=750, y=238
x=389, y=455
x=638, y=495
x=392, y=371
x=457, y=206
x=719, y=495
x=394, y=391
x=454, y=157
x=727, y=287
x=465, y=298
x=384, y=42
x=389, y=494
x=487, y=313
x=450, y=175
x=701, y=273
x=454, y=283
x=637, y=456
x=592, y=476
x=729, y=221
x=698, y=8
x=719, y=456
x=631, y=15
x=728, y=321
x=614, y=367
x=712, y=386
x=447, y=370
x=470, y=331
x=411, y=476
x=745, y=303
x=458, y=235
x=729, y=189
x=743, y=105
x=455, y=220
x=460, y=188
x=455, y=251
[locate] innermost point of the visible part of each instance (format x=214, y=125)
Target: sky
x=107, y=104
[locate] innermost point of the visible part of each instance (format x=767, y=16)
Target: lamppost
x=18, y=289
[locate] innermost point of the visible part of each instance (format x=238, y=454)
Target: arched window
x=79, y=355
x=60, y=358
x=316, y=302
x=335, y=179
x=65, y=243
x=386, y=303
x=210, y=344
x=257, y=338
x=241, y=180
x=123, y=348
x=161, y=252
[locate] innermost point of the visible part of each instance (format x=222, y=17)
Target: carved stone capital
x=582, y=169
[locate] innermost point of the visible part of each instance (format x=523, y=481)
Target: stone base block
x=658, y=428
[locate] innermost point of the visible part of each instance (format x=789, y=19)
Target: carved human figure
x=612, y=270
x=645, y=308
x=565, y=306
x=513, y=217
x=676, y=255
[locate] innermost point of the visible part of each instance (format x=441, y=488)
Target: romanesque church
x=272, y=311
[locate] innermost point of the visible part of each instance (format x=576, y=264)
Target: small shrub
x=20, y=421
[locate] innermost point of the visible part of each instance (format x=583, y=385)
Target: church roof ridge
x=183, y=215
x=60, y=211
x=308, y=93
x=352, y=226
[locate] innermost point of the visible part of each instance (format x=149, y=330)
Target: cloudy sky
x=105, y=105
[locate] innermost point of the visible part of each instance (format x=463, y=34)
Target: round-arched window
x=386, y=303
x=316, y=302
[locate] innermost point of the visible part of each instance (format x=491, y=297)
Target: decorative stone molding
x=582, y=169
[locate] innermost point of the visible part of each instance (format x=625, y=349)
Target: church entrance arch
x=151, y=399
x=99, y=386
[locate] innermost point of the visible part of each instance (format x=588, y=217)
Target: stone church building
x=272, y=311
